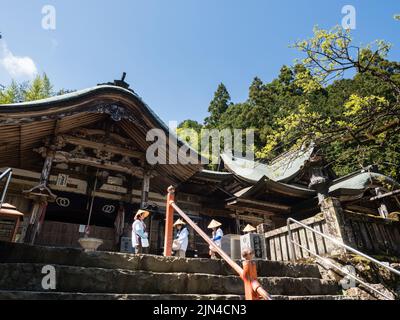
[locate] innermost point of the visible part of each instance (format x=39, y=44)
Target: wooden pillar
x=45, y=174
x=17, y=223
x=39, y=195
x=169, y=221
x=145, y=190
x=39, y=220
x=383, y=210
x=128, y=196
x=30, y=234
x=30, y=231
x=237, y=220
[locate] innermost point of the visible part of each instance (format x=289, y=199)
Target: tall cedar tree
x=218, y=107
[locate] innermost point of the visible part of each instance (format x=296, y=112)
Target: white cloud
x=17, y=67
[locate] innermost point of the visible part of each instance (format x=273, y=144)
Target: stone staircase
x=109, y=275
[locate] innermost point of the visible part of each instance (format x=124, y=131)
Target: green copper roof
x=350, y=187
x=283, y=169
x=355, y=184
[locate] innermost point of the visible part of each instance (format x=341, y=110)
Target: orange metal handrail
x=253, y=289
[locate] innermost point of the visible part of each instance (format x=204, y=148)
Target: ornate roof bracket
x=40, y=193
x=116, y=112
x=67, y=157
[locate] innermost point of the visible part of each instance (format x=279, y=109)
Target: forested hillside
x=343, y=97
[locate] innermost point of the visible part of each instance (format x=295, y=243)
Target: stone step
x=23, y=253
x=35, y=295
x=299, y=286
x=28, y=277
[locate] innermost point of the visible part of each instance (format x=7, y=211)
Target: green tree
x=344, y=97
x=356, y=121
x=218, y=106
x=9, y=94
x=40, y=88
x=47, y=86
x=190, y=124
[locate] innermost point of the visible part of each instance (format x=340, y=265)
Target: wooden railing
x=370, y=234
x=278, y=244
x=253, y=289
x=373, y=235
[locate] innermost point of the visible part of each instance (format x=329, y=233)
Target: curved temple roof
x=350, y=187
x=23, y=126
x=354, y=185
x=54, y=104
x=283, y=169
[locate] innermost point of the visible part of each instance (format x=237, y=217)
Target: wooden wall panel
x=374, y=235
x=58, y=234
x=279, y=244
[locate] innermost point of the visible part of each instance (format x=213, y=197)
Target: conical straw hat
x=249, y=228
x=214, y=224
x=179, y=222
x=144, y=213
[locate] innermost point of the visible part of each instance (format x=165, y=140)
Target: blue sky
x=176, y=52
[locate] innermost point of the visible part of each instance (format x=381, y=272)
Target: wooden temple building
x=86, y=152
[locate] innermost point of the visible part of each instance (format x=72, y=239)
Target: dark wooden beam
x=242, y=209
x=145, y=190
x=385, y=195
x=62, y=156
x=102, y=147
x=265, y=204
